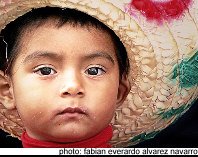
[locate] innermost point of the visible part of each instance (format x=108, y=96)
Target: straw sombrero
x=161, y=38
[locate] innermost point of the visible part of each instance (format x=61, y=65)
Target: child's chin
x=69, y=139
x=70, y=136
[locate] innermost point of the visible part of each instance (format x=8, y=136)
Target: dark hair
x=10, y=36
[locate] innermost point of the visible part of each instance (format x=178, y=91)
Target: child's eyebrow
x=55, y=56
x=100, y=54
x=40, y=54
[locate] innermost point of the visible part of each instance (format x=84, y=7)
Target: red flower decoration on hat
x=161, y=9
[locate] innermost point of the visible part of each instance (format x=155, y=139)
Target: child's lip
x=72, y=110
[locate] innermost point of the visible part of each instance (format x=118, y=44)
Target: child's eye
x=95, y=71
x=43, y=71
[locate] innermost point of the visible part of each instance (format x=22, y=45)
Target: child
x=65, y=75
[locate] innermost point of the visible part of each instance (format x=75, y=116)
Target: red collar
x=99, y=141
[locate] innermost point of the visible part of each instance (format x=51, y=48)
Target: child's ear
x=6, y=92
x=123, y=90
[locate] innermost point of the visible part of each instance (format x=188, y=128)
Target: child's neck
x=99, y=141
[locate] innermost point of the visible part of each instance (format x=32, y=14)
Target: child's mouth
x=72, y=112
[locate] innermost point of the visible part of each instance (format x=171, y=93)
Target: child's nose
x=72, y=86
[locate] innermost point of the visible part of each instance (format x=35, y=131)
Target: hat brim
x=155, y=52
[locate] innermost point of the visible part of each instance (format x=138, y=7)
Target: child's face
x=66, y=82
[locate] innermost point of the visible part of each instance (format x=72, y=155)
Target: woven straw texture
x=163, y=59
